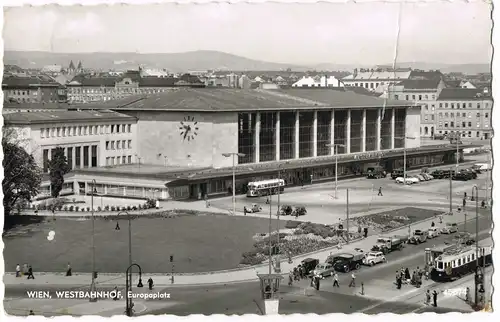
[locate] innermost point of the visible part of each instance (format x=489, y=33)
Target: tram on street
x=453, y=262
x=265, y=187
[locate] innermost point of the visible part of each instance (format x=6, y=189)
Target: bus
x=265, y=187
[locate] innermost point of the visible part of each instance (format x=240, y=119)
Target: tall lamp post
x=165, y=160
x=234, y=155
x=270, y=231
x=128, y=288
x=404, y=138
x=335, y=150
x=347, y=215
x=129, y=235
x=138, y=161
x=92, y=285
x=477, y=245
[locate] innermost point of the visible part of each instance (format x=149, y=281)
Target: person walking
x=150, y=283
x=428, y=297
x=290, y=278
x=353, y=280
x=336, y=280
x=464, y=202
x=68, y=271
x=18, y=270
x=317, y=282
x=115, y=298
x=432, y=224
x=380, y=191
x=25, y=269
x=30, y=273
x=434, y=298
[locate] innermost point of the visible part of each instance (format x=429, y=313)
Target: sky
x=443, y=32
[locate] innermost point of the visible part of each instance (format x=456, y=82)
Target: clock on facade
x=188, y=128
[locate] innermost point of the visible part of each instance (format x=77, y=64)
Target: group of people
x=27, y=270
x=403, y=276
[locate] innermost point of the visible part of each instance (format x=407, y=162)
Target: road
x=242, y=298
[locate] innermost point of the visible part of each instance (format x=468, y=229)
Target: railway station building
x=181, y=136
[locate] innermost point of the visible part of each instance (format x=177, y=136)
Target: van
x=397, y=173
x=376, y=172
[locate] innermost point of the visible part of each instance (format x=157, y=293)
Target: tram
x=265, y=187
x=452, y=262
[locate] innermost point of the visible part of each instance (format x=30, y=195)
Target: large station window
x=323, y=134
x=371, y=130
x=267, y=137
x=246, y=137
x=356, y=130
x=305, y=134
x=386, y=130
x=287, y=135
x=340, y=129
x=400, y=127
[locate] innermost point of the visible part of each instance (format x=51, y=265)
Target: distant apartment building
x=464, y=111
x=422, y=92
x=32, y=89
x=91, y=89
x=318, y=81
x=379, y=79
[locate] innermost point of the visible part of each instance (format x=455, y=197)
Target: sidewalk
x=218, y=277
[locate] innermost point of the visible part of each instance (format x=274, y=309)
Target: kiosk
x=269, y=289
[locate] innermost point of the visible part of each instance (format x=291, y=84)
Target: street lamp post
x=404, y=153
x=165, y=160
x=477, y=246
x=335, y=150
x=451, y=190
x=270, y=231
x=92, y=285
x=138, y=161
x=234, y=155
x=128, y=288
x=129, y=235
x=347, y=215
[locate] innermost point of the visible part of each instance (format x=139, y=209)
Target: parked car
x=346, y=262
x=419, y=236
x=420, y=177
x=438, y=174
x=472, y=174
x=323, y=270
x=253, y=208
x=433, y=232
x=299, y=211
x=373, y=258
x=396, y=173
x=464, y=238
x=476, y=168
x=389, y=244
x=460, y=176
x=427, y=176
x=483, y=166
x=375, y=172
x=409, y=180
x=450, y=228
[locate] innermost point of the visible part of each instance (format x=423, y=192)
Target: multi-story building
x=90, y=89
x=464, y=111
x=90, y=139
x=373, y=79
x=422, y=92
x=32, y=89
x=318, y=81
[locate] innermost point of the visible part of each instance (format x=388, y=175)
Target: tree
x=22, y=176
x=58, y=167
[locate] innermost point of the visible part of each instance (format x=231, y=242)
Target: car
x=309, y=264
x=460, y=176
x=419, y=236
x=373, y=258
x=464, y=238
x=447, y=173
x=450, y=228
x=253, y=208
x=433, y=232
x=413, y=179
x=420, y=177
x=438, y=174
x=397, y=173
x=376, y=172
x=409, y=180
x=483, y=166
x=472, y=174
x=324, y=270
x=476, y=168
x=427, y=176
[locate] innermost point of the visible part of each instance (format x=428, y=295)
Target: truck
x=389, y=244
x=419, y=236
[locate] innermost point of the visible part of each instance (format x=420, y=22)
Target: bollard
x=362, y=289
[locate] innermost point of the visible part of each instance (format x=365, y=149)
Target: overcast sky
x=441, y=32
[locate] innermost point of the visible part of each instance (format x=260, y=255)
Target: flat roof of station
x=190, y=174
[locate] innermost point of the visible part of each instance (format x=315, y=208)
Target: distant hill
x=200, y=60
x=176, y=62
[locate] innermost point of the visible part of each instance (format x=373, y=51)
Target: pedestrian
x=25, y=269
x=366, y=232
x=30, y=273
x=434, y=298
x=433, y=224
x=291, y=276
x=463, y=203
x=483, y=204
x=465, y=195
x=117, y=226
x=115, y=298
x=336, y=280
x=380, y=191
x=440, y=219
x=150, y=283
x=317, y=282
x=399, y=283
x=267, y=201
x=407, y=274
x=245, y=211
x=428, y=297
x=18, y=270
x=353, y=280
x=68, y=271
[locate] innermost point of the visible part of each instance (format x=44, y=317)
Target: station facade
x=182, y=136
